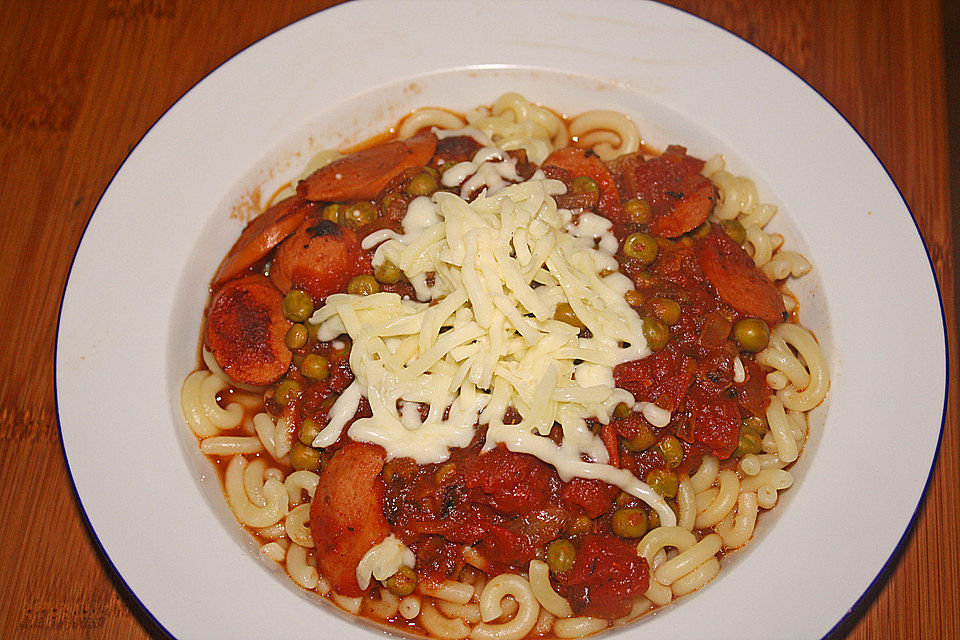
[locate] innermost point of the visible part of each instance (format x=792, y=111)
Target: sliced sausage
x=680, y=198
x=362, y=175
x=737, y=280
x=245, y=331
x=582, y=162
x=320, y=258
x=714, y=421
x=261, y=235
x=346, y=516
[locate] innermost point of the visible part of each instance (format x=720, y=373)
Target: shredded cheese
x=481, y=337
x=383, y=560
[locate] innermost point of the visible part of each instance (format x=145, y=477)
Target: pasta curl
x=491, y=608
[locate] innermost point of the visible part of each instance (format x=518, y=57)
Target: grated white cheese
x=481, y=338
x=383, y=560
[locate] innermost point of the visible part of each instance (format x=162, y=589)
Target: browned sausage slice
x=582, y=162
x=261, y=235
x=680, y=198
x=346, y=516
x=737, y=280
x=319, y=259
x=245, y=331
x=362, y=175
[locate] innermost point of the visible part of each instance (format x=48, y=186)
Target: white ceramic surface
x=131, y=313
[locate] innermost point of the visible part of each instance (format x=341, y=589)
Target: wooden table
x=81, y=82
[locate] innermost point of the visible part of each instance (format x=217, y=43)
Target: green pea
x=403, y=582
x=634, y=298
x=328, y=403
x=304, y=457
x=312, y=330
x=422, y=184
x=645, y=279
x=297, y=306
x=622, y=410
x=315, y=367
x=735, y=230
x=331, y=212
x=751, y=334
x=624, y=499
x=642, y=247
x=656, y=332
x=586, y=189
x=561, y=555
x=749, y=443
x=630, y=522
x=387, y=273
x=390, y=200
x=580, y=525
x=308, y=431
x=641, y=442
x=638, y=211
x=584, y=184
x=664, y=481
x=565, y=313
x=671, y=450
x=358, y=214
x=296, y=337
x=666, y=309
x=287, y=391
x=363, y=285
x=446, y=166
x=701, y=231
x=755, y=424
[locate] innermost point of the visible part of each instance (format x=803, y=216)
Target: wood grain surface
x=81, y=82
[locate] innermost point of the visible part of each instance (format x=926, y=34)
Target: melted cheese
x=383, y=560
x=481, y=337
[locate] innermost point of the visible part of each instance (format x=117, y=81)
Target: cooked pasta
x=609, y=133
x=299, y=568
x=552, y=601
x=230, y=445
x=490, y=380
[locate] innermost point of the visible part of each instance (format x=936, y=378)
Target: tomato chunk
x=606, y=576
x=346, y=516
x=514, y=483
x=594, y=497
x=714, y=421
x=662, y=378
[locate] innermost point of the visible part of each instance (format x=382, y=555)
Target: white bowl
x=129, y=326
